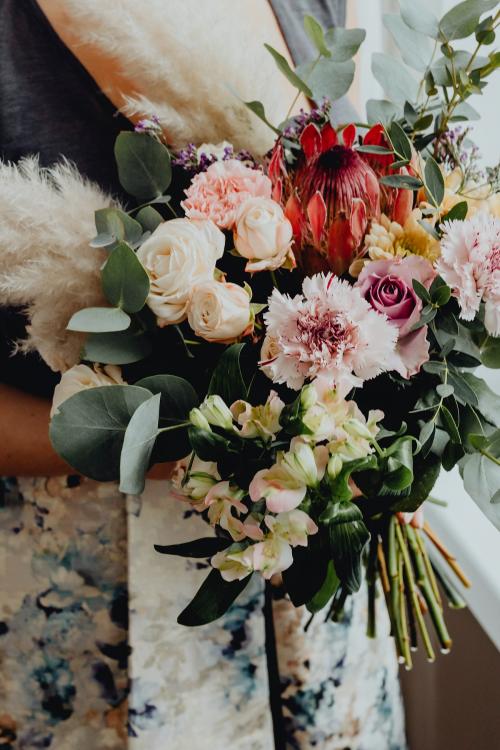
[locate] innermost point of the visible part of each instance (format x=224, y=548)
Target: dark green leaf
x=340, y=487
x=120, y=348
x=314, y=31
x=212, y=600
x=285, y=68
x=434, y=182
x=374, y=150
x=450, y=425
x=99, y=320
x=124, y=281
x=404, y=181
x=457, y=213
x=348, y=538
x=199, y=548
x=117, y=225
x=399, y=469
x=423, y=122
x=488, y=400
x=441, y=296
x=463, y=391
x=421, y=291
x=258, y=109
x=88, y=429
x=327, y=590
x=490, y=353
x=313, y=558
x=426, y=437
x=207, y=445
x=144, y=167
x=138, y=443
x=426, y=473
x=227, y=380
x=400, y=141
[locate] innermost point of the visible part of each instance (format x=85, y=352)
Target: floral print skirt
x=92, y=658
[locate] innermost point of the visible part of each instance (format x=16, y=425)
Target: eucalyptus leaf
x=149, y=218
x=457, y=213
x=120, y=348
x=450, y=425
x=258, y=109
x=462, y=19
x=144, y=167
x=328, y=78
x=464, y=111
x=400, y=141
x=414, y=46
x=344, y=43
x=380, y=110
x=212, y=600
x=284, y=67
x=124, y=281
x=396, y=80
x=481, y=478
x=99, y=320
x=88, y=429
x=490, y=352
x=314, y=31
x=434, y=182
x=117, y=225
x=488, y=400
x=404, y=181
x=138, y=443
x=417, y=15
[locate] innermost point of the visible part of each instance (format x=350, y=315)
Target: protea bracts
x=396, y=204
x=329, y=194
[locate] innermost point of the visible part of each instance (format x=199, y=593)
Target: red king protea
x=330, y=194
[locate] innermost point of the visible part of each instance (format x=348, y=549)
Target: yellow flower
x=388, y=239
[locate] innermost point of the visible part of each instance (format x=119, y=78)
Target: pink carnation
x=470, y=265
x=388, y=286
x=218, y=193
x=329, y=332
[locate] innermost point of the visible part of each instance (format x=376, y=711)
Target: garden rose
x=81, y=377
x=219, y=311
x=218, y=193
x=388, y=286
x=263, y=235
x=179, y=254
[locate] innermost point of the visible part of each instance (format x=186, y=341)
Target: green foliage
x=434, y=182
x=380, y=110
x=327, y=590
x=328, y=78
x=88, y=429
x=212, y=600
x=461, y=20
x=138, y=444
x=348, y=538
x=227, y=380
x=414, y=46
x=99, y=320
x=124, y=281
x=344, y=43
x=314, y=31
x=258, y=109
x=490, y=352
x=418, y=16
x=198, y=548
x=481, y=475
x=121, y=348
x=114, y=225
x=149, y=218
x=144, y=167
x=426, y=472
x=284, y=67
x=396, y=80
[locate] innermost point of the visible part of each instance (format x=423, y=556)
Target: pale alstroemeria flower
x=221, y=500
x=259, y=421
x=216, y=412
x=354, y=439
x=271, y=556
x=203, y=475
x=234, y=566
x=284, y=485
x=294, y=527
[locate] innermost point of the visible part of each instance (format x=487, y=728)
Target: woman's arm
x=25, y=448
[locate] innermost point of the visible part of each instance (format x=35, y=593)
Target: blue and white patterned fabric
x=82, y=668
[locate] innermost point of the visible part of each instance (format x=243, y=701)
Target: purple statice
x=193, y=159
x=150, y=125
x=455, y=149
x=320, y=115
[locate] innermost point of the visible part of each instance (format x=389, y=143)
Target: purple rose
x=388, y=286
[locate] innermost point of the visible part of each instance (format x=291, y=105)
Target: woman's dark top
x=49, y=105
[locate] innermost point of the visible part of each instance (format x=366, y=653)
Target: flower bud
x=357, y=429
x=308, y=396
x=198, y=420
x=301, y=463
x=334, y=467
x=217, y=413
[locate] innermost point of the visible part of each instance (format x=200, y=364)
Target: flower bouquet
x=300, y=331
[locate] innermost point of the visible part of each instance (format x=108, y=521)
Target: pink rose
x=218, y=193
x=388, y=286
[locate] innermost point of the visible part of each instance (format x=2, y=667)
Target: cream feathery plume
x=46, y=263
x=191, y=64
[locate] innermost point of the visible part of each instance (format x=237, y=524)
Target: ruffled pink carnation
x=388, y=286
x=218, y=193
x=329, y=332
x=470, y=265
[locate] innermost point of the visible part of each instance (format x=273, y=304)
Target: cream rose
x=263, y=234
x=219, y=311
x=180, y=254
x=81, y=377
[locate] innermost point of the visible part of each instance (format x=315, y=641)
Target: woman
x=72, y=548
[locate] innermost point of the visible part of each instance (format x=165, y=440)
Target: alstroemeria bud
x=308, y=396
x=198, y=420
x=357, y=429
x=217, y=412
x=334, y=467
x=301, y=463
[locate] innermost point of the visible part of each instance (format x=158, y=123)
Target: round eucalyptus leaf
x=88, y=429
x=99, y=320
x=124, y=281
x=144, y=167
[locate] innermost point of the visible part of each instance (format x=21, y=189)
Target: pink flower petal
x=310, y=140
x=316, y=212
